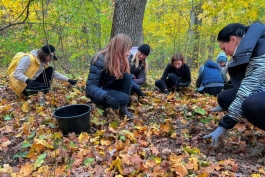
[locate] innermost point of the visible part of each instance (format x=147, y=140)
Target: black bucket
x=73, y=118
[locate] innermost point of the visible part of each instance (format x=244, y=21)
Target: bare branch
x=20, y=23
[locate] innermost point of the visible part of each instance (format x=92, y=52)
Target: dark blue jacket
x=98, y=79
x=211, y=73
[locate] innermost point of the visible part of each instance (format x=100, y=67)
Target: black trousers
x=212, y=90
x=120, y=90
x=253, y=107
x=41, y=83
x=172, y=81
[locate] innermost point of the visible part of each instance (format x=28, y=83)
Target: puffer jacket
x=98, y=79
x=211, y=73
x=252, y=45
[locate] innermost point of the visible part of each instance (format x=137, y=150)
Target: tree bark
x=128, y=19
x=196, y=46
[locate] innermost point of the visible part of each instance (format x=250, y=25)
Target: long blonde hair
x=115, y=60
x=135, y=61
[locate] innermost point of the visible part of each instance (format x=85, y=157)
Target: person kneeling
x=176, y=75
x=109, y=81
x=30, y=73
x=210, y=79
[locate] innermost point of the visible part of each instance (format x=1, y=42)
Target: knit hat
x=48, y=51
x=221, y=57
x=145, y=49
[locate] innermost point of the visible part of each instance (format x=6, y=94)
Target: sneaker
x=123, y=111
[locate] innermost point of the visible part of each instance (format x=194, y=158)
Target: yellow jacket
x=16, y=85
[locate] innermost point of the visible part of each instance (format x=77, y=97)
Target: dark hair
x=233, y=29
x=42, y=55
x=175, y=57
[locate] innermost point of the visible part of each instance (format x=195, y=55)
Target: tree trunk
x=128, y=19
x=212, y=41
x=196, y=47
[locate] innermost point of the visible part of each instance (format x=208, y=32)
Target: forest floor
x=164, y=140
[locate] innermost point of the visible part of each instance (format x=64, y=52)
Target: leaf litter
x=165, y=139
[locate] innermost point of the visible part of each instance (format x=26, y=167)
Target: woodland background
x=78, y=29
x=166, y=138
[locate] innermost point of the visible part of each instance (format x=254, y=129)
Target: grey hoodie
x=24, y=64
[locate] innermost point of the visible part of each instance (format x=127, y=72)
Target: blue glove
x=219, y=131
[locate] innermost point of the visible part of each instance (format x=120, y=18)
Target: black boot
x=123, y=111
x=140, y=93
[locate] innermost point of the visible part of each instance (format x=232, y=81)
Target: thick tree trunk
x=128, y=19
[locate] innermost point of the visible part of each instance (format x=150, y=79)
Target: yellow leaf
x=77, y=91
x=205, y=174
x=105, y=142
x=193, y=163
x=83, y=137
x=25, y=107
x=158, y=160
x=116, y=165
x=173, y=135
x=255, y=175
x=26, y=169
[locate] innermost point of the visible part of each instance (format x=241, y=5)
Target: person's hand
x=166, y=92
x=29, y=82
x=72, y=82
x=219, y=131
x=114, y=104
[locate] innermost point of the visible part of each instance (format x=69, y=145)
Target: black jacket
x=98, y=79
x=183, y=72
x=251, y=45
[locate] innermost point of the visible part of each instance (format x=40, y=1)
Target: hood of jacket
x=211, y=64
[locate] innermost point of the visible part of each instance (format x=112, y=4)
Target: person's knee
x=172, y=76
x=221, y=97
x=157, y=83
x=127, y=76
x=124, y=100
x=247, y=109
